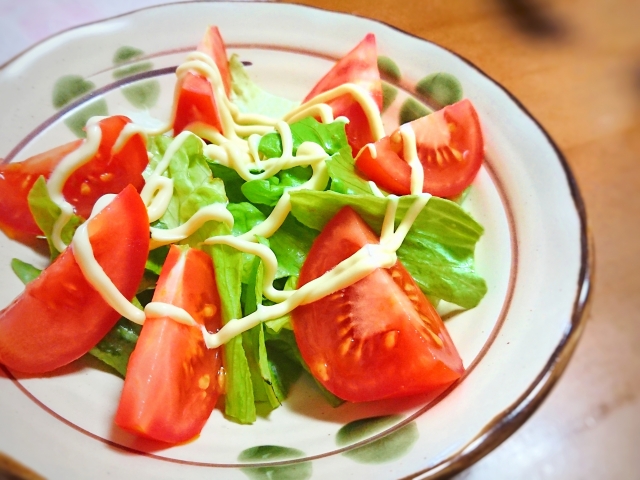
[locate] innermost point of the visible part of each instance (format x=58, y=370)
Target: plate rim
x=507, y=422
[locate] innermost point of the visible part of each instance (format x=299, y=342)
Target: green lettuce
x=270, y=383
x=330, y=136
x=239, y=398
x=438, y=251
x=268, y=191
x=194, y=188
x=193, y=185
x=45, y=212
x=344, y=178
x=117, y=345
x=24, y=271
x=250, y=98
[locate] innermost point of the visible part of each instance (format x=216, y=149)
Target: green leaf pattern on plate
x=437, y=89
x=68, y=88
x=385, y=449
x=267, y=453
x=144, y=94
x=78, y=119
x=443, y=88
x=411, y=110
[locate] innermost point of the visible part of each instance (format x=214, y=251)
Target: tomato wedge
x=359, y=66
x=173, y=380
x=449, y=145
x=104, y=173
x=196, y=102
x=60, y=316
x=378, y=338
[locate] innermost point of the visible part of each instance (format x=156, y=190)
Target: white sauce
x=64, y=170
x=229, y=148
x=94, y=273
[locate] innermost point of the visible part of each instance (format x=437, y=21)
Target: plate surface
x=533, y=254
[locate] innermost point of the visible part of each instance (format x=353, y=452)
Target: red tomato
x=450, y=148
x=213, y=45
x=378, y=338
x=172, y=381
x=60, y=316
x=104, y=173
x=16, y=180
x=359, y=66
x=196, y=102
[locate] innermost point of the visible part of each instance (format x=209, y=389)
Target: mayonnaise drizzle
x=410, y=152
x=64, y=170
x=215, y=212
x=346, y=273
x=230, y=148
x=162, y=310
x=95, y=275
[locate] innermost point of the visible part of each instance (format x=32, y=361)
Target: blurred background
x=575, y=65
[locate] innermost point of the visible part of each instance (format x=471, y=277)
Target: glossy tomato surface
x=380, y=337
x=213, y=45
x=449, y=145
x=16, y=180
x=106, y=172
x=196, y=102
x=173, y=380
x=359, y=66
x=60, y=316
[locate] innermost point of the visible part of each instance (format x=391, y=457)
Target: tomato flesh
x=107, y=172
x=173, y=380
x=382, y=323
x=16, y=180
x=213, y=45
x=104, y=173
x=196, y=102
x=359, y=66
x=60, y=316
x=449, y=145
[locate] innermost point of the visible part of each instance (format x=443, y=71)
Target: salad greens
x=262, y=363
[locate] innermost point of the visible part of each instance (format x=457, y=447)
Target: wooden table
x=576, y=67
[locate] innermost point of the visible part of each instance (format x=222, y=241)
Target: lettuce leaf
x=46, y=212
x=291, y=244
x=193, y=185
x=438, y=251
x=344, y=178
x=24, y=271
x=117, y=345
x=194, y=188
x=269, y=191
x=250, y=98
x=330, y=136
x=232, y=181
x=239, y=398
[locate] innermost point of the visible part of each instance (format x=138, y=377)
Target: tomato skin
x=213, y=45
x=196, y=102
x=107, y=173
x=448, y=168
x=60, y=316
x=359, y=66
x=172, y=381
x=104, y=173
x=382, y=323
x=16, y=180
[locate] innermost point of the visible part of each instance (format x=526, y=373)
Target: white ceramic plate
x=534, y=256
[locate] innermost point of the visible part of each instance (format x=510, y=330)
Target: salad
x=246, y=241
